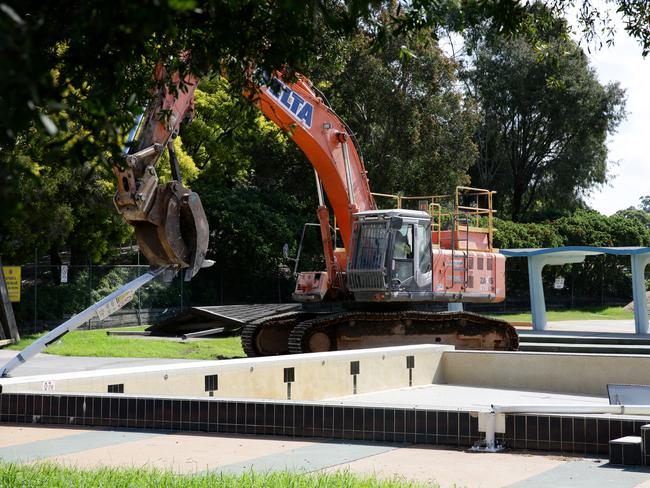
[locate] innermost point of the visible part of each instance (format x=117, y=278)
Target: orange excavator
x=392, y=262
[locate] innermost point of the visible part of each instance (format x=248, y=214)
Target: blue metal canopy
x=576, y=251
x=538, y=258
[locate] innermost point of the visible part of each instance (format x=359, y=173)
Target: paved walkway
x=199, y=453
x=608, y=325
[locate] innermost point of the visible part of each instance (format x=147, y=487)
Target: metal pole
x=35, y=284
x=580, y=409
x=102, y=309
x=90, y=283
x=138, y=293
x=319, y=190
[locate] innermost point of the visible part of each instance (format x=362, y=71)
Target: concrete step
x=626, y=451
x=621, y=339
x=645, y=438
x=585, y=348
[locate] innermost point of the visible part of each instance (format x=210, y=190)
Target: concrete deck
x=447, y=397
x=198, y=453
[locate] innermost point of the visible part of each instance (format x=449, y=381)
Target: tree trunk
x=517, y=201
x=55, y=262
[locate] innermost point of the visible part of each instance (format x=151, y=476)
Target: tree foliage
x=599, y=276
x=412, y=123
x=596, y=20
x=64, y=205
x=645, y=203
x=71, y=90
x=101, y=62
x=542, y=141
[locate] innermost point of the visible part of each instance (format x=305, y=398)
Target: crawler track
x=269, y=336
x=358, y=330
x=302, y=332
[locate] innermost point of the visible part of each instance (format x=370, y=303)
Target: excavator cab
x=390, y=255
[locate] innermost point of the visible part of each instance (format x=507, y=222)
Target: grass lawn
x=98, y=343
x=592, y=313
x=51, y=475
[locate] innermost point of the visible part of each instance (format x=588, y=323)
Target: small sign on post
x=559, y=283
x=64, y=273
x=12, y=278
x=9, y=292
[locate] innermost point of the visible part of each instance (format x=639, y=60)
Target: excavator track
x=269, y=336
x=358, y=330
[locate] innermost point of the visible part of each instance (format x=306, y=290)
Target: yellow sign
x=12, y=277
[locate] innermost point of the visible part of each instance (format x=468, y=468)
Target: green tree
x=545, y=119
x=634, y=213
x=594, y=20
x=590, y=228
x=645, y=203
x=599, y=278
x=605, y=275
x=252, y=185
x=98, y=67
x=102, y=62
x=413, y=125
x=250, y=228
x=225, y=131
x=65, y=206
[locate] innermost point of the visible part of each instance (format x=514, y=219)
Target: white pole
x=559, y=409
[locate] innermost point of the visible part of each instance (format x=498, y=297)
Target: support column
x=537, y=301
x=639, y=263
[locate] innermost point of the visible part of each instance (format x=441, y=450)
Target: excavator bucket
x=176, y=232
x=197, y=234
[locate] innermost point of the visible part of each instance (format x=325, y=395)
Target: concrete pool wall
x=575, y=374
x=322, y=376
x=298, y=377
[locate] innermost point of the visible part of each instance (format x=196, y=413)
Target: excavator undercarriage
x=302, y=332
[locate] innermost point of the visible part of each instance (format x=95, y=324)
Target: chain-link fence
x=50, y=294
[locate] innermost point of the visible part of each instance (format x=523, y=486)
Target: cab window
x=403, y=253
x=404, y=243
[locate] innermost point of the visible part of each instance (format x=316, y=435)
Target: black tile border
x=584, y=435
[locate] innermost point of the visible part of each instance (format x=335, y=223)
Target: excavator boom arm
x=325, y=139
x=168, y=219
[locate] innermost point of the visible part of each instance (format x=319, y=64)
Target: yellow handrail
x=473, y=212
x=477, y=211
